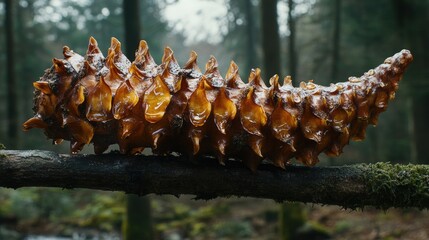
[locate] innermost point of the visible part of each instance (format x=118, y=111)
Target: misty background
x=322, y=40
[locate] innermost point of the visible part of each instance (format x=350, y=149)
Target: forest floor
x=234, y=218
x=257, y=219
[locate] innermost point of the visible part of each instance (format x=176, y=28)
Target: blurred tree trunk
x=412, y=16
x=336, y=9
x=270, y=38
x=291, y=215
x=420, y=48
x=25, y=66
x=132, y=26
x=11, y=81
x=292, y=37
x=250, y=26
x=292, y=218
x=336, y=41
x=138, y=222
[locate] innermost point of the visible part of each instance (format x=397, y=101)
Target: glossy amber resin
x=140, y=104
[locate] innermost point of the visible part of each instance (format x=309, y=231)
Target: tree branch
x=382, y=185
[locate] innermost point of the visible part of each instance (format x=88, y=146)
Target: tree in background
x=368, y=35
x=241, y=39
x=291, y=215
x=410, y=17
x=42, y=30
x=12, y=99
x=155, y=28
x=336, y=41
x=270, y=39
x=292, y=39
x=41, y=36
x=138, y=221
x=31, y=39
x=251, y=39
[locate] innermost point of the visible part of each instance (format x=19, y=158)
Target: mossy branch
x=382, y=185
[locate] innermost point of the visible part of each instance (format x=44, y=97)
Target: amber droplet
x=253, y=116
x=125, y=99
x=78, y=98
x=224, y=111
x=199, y=107
x=312, y=127
x=283, y=124
x=156, y=99
x=99, y=102
x=82, y=131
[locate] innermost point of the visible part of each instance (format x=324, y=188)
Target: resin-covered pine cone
x=170, y=108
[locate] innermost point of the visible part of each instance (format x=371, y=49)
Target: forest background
x=323, y=40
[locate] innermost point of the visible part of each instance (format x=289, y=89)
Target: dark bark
x=270, y=38
x=382, y=185
x=12, y=126
x=138, y=224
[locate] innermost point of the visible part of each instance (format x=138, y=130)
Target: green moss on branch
x=396, y=185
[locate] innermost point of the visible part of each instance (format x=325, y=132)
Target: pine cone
x=167, y=108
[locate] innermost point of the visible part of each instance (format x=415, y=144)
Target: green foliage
x=195, y=220
x=41, y=203
x=233, y=229
x=313, y=230
x=105, y=211
x=342, y=226
x=9, y=234
x=79, y=208
x=5, y=203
